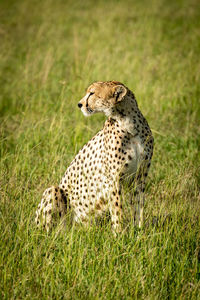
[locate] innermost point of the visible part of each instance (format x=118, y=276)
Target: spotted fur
x=118, y=154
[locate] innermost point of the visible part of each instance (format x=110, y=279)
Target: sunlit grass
x=50, y=52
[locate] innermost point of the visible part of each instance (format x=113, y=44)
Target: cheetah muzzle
x=118, y=154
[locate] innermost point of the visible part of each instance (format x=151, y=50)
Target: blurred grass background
x=50, y=52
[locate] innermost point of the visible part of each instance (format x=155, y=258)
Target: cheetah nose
x=80, y=105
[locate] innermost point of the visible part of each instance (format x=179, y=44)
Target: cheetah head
x=102, y=97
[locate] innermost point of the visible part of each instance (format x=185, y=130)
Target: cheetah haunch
x=118, y=154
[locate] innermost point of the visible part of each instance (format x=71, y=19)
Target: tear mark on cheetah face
x=102, y=97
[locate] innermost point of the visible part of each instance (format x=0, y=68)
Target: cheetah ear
x=119, y=93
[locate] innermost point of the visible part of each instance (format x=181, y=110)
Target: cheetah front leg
x=52, y=207
x=139, y=198
x=115, y=208
x=139, y=205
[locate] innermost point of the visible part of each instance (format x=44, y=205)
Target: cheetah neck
x=127, y=114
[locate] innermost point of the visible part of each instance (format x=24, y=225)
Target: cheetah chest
x=135, y=151
x=124, y=151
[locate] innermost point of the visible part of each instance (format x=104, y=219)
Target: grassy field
x=50, y=52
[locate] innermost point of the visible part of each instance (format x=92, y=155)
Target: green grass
x=50, y=52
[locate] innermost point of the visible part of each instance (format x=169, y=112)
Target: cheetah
x=118, y=154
